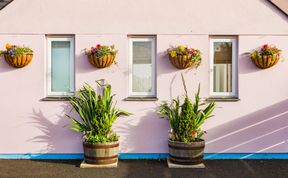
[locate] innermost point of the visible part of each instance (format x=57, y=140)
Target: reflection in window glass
x=222, y=78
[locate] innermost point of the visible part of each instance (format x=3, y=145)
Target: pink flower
x=265, y=46
x=205, y=132
x=98, y=46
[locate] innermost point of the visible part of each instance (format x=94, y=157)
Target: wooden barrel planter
x=18, y=61
x=186, y=153
x=181, y=61
x=101, y=153
x=265, y=61
x=101, y=62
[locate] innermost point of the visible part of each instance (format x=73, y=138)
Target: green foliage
x=185, y=119
x=266, y=50
x=97, y=113
x=100, y=51
x=181, y=50
x=14, y=50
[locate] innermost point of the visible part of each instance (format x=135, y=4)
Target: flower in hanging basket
x=266, y=57
x=183, y=57
x=101, y=56
x=17, y=56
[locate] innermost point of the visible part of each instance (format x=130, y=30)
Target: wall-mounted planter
x=101, y=56
x=265, y=61
x=17, y=56
x=18, y=61
x=181, y=62
x=183, y=57
x=101, y=62
x=265, y=57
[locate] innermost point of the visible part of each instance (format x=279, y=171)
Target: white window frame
x=50, y=39
x=234, y=67
x=153, y=63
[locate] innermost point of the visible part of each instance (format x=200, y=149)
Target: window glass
x=142, y=67
x=60, y=66
x=222, y=67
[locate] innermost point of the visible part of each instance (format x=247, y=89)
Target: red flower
x=265, y=46
x=205, y=132
x=193, y=132
x=98, y=46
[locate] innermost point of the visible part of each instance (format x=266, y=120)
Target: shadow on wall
x=263, y=131
x=83, y=65
x=4, y=66
x=245, y=64
x=143, y=134
x=56, y=136
x=165, y=67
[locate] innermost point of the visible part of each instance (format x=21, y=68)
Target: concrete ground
x=145, y=169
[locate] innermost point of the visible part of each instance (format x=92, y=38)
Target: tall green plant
x=97, y=113
x=185, y=119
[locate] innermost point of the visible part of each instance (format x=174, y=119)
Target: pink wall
x=256, y=123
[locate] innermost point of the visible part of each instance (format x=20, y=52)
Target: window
x=223, y=67
x=142, y=67
x=60, y=68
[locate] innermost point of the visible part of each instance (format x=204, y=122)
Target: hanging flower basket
x=18, y=61
x=183, y=57
x=181, y=61
x=265, y=61
x=17, y=56
x=101, y=56
x=101, y=62
x=266, y=57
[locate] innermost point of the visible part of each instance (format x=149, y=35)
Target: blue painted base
x=207, y=156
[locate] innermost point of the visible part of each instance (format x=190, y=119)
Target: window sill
x=58, y=98
x=140, y=99
x=219, y=99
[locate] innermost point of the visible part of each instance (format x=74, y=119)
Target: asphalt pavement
x=144, y=169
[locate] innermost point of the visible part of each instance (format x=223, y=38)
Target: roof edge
x=281, y=5
x=4, y=3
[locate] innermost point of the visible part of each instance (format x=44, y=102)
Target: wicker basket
x=182, y=61
x=102, y=62
x=18, y=61
x=265, y=61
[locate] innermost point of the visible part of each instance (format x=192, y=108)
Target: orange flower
x=8, y=46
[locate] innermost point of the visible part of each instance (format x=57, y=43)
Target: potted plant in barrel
x=266, y=57
x=17, y=56
x=101, y=56
x=183, y=57
x=186, y=145
x=97, y=113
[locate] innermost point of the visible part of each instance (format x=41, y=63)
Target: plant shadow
x=262, y=131
x=55, y=137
